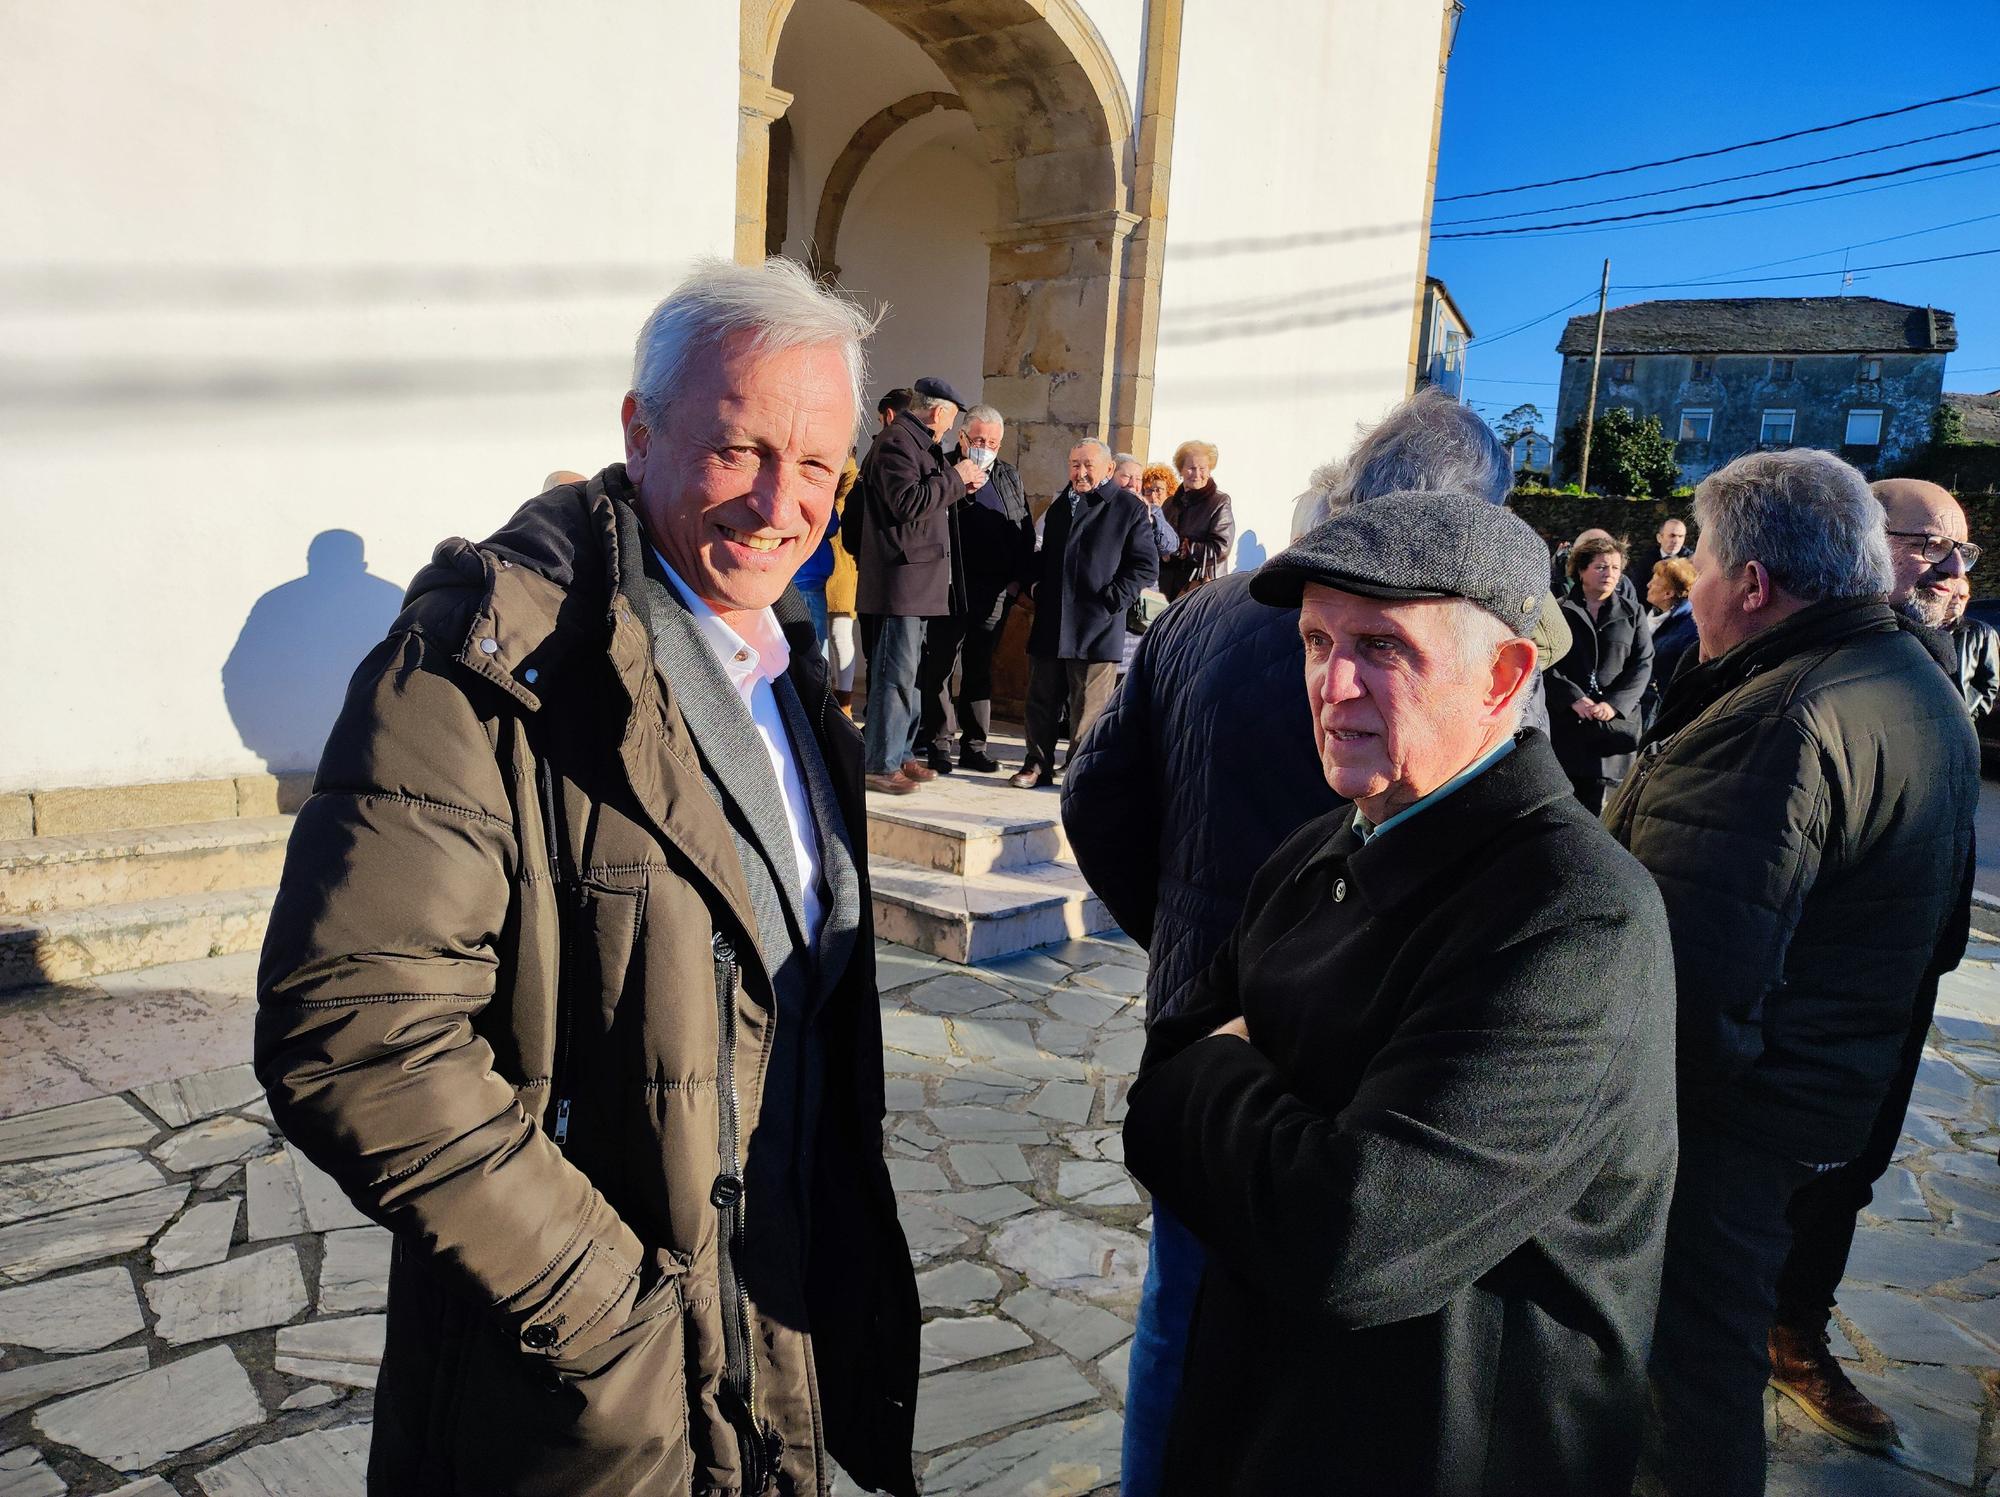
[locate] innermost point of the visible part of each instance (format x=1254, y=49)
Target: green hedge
x=1560, y=516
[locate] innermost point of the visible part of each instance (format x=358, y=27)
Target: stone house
x=1855, y=375
x=1442, y=340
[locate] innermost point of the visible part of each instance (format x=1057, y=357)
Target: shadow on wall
x=284, y=680
x=1250, y=552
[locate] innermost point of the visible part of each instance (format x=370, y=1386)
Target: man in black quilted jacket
x=1805, y=803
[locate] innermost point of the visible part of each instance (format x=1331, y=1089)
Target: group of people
x=942, y=540
x=1509, y=1135
x=1468, y=1116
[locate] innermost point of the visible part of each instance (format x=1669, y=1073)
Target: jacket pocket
x=612, y=1420
x=918, y=554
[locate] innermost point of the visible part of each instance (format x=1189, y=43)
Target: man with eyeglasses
x=1928, y=552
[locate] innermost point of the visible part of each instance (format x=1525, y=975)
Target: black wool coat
x=1434, y=1183
x=903, y=547
x=1609, y=660
x=992, y=538
x=1091, y=568
x=1806, y=804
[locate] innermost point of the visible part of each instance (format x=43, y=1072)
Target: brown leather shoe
x=1028, y=779
x=916, y=769
x=1805, y=1370
x=890, y=784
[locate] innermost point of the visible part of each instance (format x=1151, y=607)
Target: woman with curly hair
x=1201, y=516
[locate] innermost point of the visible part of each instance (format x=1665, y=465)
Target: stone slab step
x=966, y=823
x=67, y=945
x=978, y=917
x=39, y=874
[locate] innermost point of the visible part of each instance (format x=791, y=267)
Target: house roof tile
x=1766, y=324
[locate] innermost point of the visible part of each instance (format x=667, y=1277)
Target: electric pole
x=1596, y=357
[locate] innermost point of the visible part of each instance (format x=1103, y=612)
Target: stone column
x=1051, y=332
x=759, y=104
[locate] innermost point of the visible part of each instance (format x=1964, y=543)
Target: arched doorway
x=926, y=136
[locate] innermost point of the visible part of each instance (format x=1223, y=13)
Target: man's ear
x=1758, y=589
x=1513, y=674
x=638, y=435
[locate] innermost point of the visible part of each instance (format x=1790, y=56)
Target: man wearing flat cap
x=1419, y=1110
x=906, y=488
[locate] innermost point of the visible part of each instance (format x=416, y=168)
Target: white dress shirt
x=752, y=664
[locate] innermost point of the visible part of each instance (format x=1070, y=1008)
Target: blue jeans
x=815, y=595
x=893, y=646
x=1174, y=1264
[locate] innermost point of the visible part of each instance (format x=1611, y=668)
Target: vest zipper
x=568, y=889
x=730, y=1200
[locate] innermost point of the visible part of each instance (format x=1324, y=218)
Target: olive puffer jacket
x=1805, y=803
x=557, y=1309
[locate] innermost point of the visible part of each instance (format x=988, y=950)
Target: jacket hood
x=521, y=603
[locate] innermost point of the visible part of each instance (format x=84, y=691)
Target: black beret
x=1418, y=546
x=938, y=389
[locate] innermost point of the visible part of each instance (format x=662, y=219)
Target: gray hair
x=1805, y=515
x=778, y=304
x=1124, y=457
x=1480, y=635
x=1315, y=506
x=924, y=405
x=984, y=413
x=1101, y=445
x=1429, y=444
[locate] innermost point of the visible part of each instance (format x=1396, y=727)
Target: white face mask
x=983, y=456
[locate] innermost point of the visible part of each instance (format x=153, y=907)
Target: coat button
x=530, y=675
x=1339, y=890
x=539, y=1337
x=489, y=646
x=726, y=1191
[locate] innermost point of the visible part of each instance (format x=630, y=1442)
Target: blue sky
x=1552, y=88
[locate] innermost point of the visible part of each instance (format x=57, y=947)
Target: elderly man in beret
x=1420, y=1108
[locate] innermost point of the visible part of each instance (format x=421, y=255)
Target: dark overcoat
x=992, y=538
x=1610, y=659
x=1434, y=1184
x=903, y=546
x=1093, y=565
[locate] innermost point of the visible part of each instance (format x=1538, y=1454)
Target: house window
x=1871, y=369
x=1704, y=368
x=1696, y=423
x=1864, y=428
x=1781, y=369
x=1776, y=429
x=1621, y=369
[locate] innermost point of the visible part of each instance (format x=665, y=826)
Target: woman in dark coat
x=1670, y=594
x=1594, y=690
x=1200, y=515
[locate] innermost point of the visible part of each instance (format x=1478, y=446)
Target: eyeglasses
x=1936, y=548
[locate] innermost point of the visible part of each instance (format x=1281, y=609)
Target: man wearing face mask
x=992, y=537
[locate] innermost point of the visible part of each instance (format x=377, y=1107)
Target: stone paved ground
x=187, y=1307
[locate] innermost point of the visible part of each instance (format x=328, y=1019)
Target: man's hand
x=1235, y=1026
x=1585, y=709
x=973, y=475
x=1603, y=711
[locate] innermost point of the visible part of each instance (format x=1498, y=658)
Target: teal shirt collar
x=1366, y=830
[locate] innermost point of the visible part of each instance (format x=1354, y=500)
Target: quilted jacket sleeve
x=1735, y=852
x=382, y=951
x=1111, y=807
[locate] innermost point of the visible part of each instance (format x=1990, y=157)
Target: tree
x=1628, y=455
x=1947, y=426
x=1518, y=422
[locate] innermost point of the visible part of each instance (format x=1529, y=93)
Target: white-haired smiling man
x=1419, y=1110
x=570, y=984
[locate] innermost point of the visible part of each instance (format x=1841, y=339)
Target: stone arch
x=1055, y=120
x=853, y=160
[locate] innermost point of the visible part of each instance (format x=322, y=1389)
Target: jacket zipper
x=730, y=1199
x=556, y=834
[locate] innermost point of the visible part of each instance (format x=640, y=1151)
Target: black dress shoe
x=984, y=763
x=939, y=761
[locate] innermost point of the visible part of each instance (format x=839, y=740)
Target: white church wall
x=1292, y=260
x=272, y=272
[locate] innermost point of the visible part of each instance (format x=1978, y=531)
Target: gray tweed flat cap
x=1418, y=546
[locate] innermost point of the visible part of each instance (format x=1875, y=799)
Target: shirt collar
x=748, y=660
x=1368, y=831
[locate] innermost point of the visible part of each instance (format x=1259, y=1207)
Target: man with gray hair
x=1419, y=1111
x=1097, y=556
x=1813, y=778
x=571, y=962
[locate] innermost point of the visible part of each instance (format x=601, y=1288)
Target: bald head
x=1920, y=516
x=560, y=477
x=1592, y=534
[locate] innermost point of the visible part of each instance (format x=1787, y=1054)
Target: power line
x=1769, y=140
x=1531, y=322
x=1755, y=197
x=1841, y=249
x=1769, y=171
x=1801, y=275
